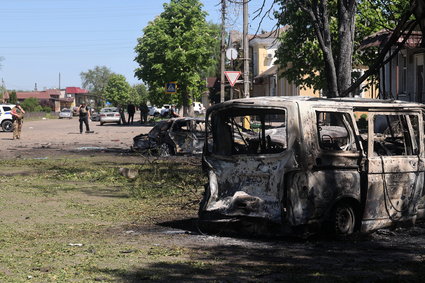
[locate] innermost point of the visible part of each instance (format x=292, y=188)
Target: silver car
x=109, y=115
x=65, y=113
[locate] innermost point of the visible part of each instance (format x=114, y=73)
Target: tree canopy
x=96, y=79
x=118, y=91
x=139, y=94
x=176, y=46
x=321, y=45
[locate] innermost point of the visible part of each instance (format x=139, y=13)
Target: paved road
x=63, y=134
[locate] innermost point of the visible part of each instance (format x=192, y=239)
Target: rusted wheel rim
x=344, y=220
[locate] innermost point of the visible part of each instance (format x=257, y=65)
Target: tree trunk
x=346, y=26
x=185, y=101
x=419, y=12
x=320, y=18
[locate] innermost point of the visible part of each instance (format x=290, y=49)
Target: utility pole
x=223, y=50
x=245, y=49
x=59, y=80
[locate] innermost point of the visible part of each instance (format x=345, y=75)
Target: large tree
x=95, y=81
x=139, y=94
x=176, y=46
x=323, y=39
x=327, y=28
x=118, y=91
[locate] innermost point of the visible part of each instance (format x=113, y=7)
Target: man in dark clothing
x=131, y=109
x=144, y=111
x=173, y=113
x=84, y=114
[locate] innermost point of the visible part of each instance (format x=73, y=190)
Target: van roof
x=349, y=102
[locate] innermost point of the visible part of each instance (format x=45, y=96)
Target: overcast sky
x=42, y=38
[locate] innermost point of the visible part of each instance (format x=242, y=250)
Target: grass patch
x=64, y=219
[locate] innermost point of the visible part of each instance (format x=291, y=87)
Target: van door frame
x=390, y=176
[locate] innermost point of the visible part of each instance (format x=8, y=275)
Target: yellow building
x=266, y=79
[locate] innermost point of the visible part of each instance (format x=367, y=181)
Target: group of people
x=84, y=116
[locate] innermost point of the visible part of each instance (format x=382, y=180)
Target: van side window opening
x=391, y=135
x=249, y=131
x=335, y=132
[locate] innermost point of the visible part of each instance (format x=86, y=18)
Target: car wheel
x=165, y=150
x=7, y=126
x=156, y=114
x=101, y=123
x=343, y=219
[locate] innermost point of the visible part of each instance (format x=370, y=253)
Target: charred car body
x=173, y=136
x=298, y=161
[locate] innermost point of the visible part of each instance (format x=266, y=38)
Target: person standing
x=144, y=111
x=18, y=117
x=173, y=113
x=131, y=109
x=84, y=114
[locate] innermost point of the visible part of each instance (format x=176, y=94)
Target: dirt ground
x=59, y=136
x=387, y=255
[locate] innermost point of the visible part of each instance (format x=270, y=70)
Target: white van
x=296, y=161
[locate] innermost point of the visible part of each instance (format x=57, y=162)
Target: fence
x=39, y=115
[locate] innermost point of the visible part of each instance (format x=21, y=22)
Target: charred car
x=173, y=136
x=305, y=162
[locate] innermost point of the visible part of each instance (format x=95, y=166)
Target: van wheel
x=343, y=219
x=7, y=126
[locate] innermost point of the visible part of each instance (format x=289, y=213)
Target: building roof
x=272, y=34
x=381, y=37
x=75, y=90
x=212, y=81
x=35, y=94
x=236, y=36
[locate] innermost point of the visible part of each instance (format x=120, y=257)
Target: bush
x=31, y=105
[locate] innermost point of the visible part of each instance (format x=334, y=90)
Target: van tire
x=7, y=125
x=344, y=219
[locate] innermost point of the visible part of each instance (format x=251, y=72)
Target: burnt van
x=345, y=164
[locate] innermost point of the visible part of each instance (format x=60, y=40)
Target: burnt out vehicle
x=304, y=162
x=183, y=135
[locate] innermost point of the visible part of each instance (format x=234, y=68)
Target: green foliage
x=118, y=91
x=31, y=105
x=12, y=97
x=95, y=80
x=176, y=46
x=299, y=52
x=139, y=94
x=213, y=70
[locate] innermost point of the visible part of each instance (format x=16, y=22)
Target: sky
x=48, y=43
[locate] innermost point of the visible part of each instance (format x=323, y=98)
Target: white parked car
x=198, y=108
x=109, y=115
x=153, y=111
x=164, y=110
x=6, y=122
x=65, y=113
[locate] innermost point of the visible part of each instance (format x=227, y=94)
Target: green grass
x=65, y=219
x=78, y=220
